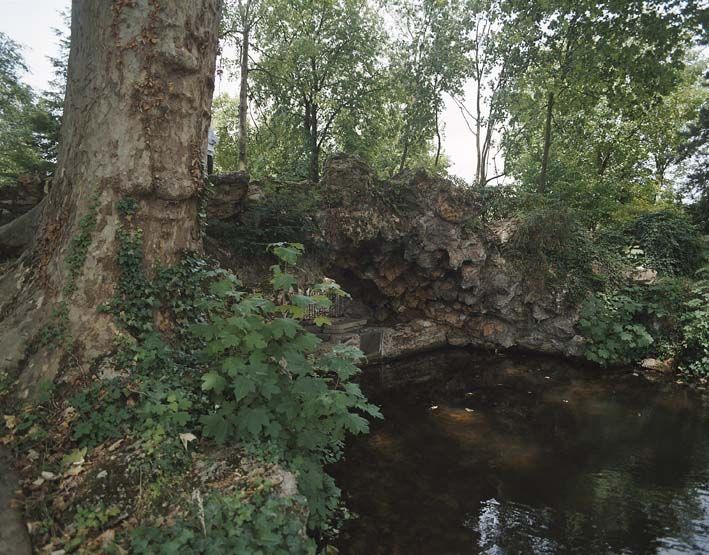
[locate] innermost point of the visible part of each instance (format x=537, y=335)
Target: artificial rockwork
x=430, y=271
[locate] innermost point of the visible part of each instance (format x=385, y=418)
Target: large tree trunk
x=139, y=90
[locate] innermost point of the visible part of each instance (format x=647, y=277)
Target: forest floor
x=13, y=534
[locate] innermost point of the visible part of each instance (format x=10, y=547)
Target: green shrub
x=609, y=324
x=694, y=357
x=634, y=322
x=550, y=244
x=269, y=385
x=668, y=242
x=284, y=213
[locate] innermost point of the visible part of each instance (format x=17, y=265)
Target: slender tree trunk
x=547, y=144
x=244, y=96
x=139, y=90
x=478, y=131
x=438, y=141
x=404, y=156
x=314, y=147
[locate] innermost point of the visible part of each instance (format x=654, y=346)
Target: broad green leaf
x=213, y=381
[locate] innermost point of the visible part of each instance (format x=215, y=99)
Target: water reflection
x=526, y=455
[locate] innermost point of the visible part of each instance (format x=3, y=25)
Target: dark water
x=526, y=455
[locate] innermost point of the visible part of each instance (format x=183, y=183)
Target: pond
x=511, y=455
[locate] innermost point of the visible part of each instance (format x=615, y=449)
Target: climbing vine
x=79, y=245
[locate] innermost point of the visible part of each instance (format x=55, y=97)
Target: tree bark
x=547, y=144
x=311, y=124
x=438, y=141
x=17, y=235
x=244, y=85
x=404, y=156
x=223, y=201
x=139, y=90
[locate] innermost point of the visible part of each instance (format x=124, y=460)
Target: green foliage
x=429, y=60
x=669, y=242
x=694, y=356
x=79, y=245
x=550, y=242
x=102, y=413
x=317, y=64
x=268, y=384
x=242, y=370
x=55, y=332
x=87, y=520
x=252, y=523
x=127, y=206
x=285, y=213
x=603, y=111
x=225, y=121
x=134, y=299
x=17, y=154
x=634, y=322
x=27, y=126
x=609, y=323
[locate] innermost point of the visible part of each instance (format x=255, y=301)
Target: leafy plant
x=268, y=383
x=79, y=245
x=285, y=213
x=609, y=324
x=694, y=357
x=668, y=242
x=551, y=244
x=248, y=523
x=103, y=413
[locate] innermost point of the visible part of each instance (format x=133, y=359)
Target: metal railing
x=336, y=309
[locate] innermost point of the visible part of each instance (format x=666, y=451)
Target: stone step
x=338, y=326
x=346, y=325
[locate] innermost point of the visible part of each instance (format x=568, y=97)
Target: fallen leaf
x=76, y=457
x=75, y=470
x=115, y=445
x=10, y=421
x=186, y=438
